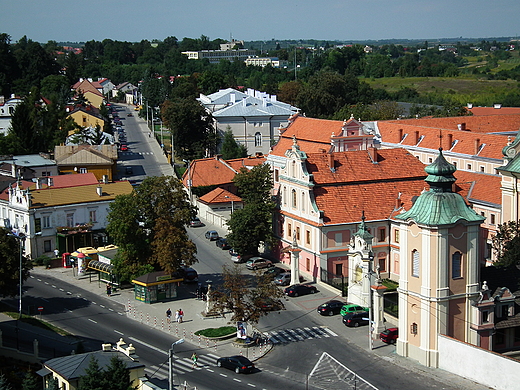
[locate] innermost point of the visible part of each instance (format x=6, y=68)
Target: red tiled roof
x=477, y=111
x=215, y=171
x=219, y=195
x=468, y=142
x=85, y=85
x=312, y=134
x=484, y=187
x=358, y=167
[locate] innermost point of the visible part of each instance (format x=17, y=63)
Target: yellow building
x=101, y=160
x=87, y=116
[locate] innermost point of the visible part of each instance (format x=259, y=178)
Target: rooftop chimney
x=417, y=136
x=450, y=141
x=330, y=157
x=372, y=152
x=38, y=183
x=99, y=190
x=477, y=145
x=50, y=181
x=400, y=135
x=462, y=126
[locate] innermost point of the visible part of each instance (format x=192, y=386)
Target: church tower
x=439, y=268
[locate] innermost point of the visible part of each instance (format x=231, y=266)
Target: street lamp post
x=170, y=370
x=232, y=203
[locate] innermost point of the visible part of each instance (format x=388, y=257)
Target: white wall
x=477, y=364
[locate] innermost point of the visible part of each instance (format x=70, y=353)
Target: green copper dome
x=440, y=205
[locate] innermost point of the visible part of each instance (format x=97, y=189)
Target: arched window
x=303, y=201
x=293, y=192
x=258, y=139
x=415, y=263
x=456, y=265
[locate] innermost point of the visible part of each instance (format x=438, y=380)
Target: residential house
x=275, y=62
x=253, y=117
x=215, y=56
x=218, y=201
x=106, y=85
x=98, y=159
x=88, y=116
x=7, y=107
x=69, y=369
x=95, y=98
x=68, y=217
x=28, y=166
x=85, y=85
x=129, y=90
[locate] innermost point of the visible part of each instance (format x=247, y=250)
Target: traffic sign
x=40, y=308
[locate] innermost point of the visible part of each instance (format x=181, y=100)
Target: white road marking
x=39, y=280
x=237, y=380
x=209, y=369
x=329, y=332
x=103, y=306
x=224, y=375
x=252, y=385
x=91, y=320
x=53, y=285
x=148, y=345
x=46, y=282
x=62, y=289
x=110, y=309
x=118, y=332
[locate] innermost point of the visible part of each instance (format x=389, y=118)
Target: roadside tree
x=230, y=148
x=10, y=264
x=149, y=226
x=248, y=299
x=252, y=225
x=506, y=245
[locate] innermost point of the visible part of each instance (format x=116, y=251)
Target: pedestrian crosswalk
x=181, y=366
x=298, y=334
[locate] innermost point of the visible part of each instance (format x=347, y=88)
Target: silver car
x=258, y=262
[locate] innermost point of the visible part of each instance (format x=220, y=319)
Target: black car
x=274, y=271
x=222, y=243
x=300, y=289
x=330, y=308
x=356, y=318
x=236, y=363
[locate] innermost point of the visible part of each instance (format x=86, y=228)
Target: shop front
x=156, y=287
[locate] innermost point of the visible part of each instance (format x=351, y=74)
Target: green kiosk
x=156, y=287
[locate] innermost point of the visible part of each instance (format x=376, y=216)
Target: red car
x=123, y=148
x=389, y=335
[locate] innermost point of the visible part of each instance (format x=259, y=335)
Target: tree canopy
x=252, y=225
x=230, y=148
x=114, y=377
x=506, y=245
x=10, y=264
x=149, y=226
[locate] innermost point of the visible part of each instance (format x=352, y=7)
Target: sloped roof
x=219, y=195
x=494, y=111
x=85, y=154
x=355, y=167
x=86, y=85
x=215, y=171
x=28, y=160
x=254, y=107
x=479, y=186
x=85, y=157
x=89, y=110
x=313, y=135
x=79, y=194
x=465, y=142
x=74, y=366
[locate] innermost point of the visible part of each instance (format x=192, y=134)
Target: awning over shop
x=100, y=266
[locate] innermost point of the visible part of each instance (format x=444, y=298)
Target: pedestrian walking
x=194, y=358
x=56, y=253
x=181, y=314
x=168, y=315
x=109, y=289
x=177, y=316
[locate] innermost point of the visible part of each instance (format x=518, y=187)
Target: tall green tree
x=117, y=376
x=52, y=384
x=230, y=148
x=4, y=384
x=149, y=226
x=93, y=378
x=10, y=264
x=252, y=225
x=506, y=245
x=192, y=127
x=30, y=382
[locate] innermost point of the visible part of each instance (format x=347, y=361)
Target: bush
x=42, y=260
x=217, y=332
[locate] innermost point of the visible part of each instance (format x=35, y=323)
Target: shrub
x=42, y=260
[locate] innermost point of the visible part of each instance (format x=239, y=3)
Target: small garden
x=222, y=332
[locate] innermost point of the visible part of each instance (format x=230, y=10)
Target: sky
x=257, y=20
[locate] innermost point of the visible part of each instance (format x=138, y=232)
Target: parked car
x=123, y=148
x=389, y=335
x=268, y=304
x=236, y=363
x=129, y=114
x=284, y=279
x=274, y=271
x=222, y=243
x=236, y=258
x=300, y=289
x=356, y=318
x=257, y=262
x=351, y=308
x=196, y=222
x=211, y=235
x=330, y=308
x=188, y=274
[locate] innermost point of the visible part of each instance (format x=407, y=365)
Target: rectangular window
x=92, y=216
x=469, y=167
x=415, y=263
x=308, y=236
x=45, y=174
x=276, y=175
x=382, y=264
x=338, y=239
x=485, y=316
x=70, y=219
x=396, y=236
x=382, y=235
x=504, y=311
x=482, y=169
x=455, y=163
x=289, y=230
x=339, y=269
x=46, y=221
x=83, y=170
x=47, y=246
x=37, y=225
x=492, y=219
x=456, y=265
x=298, y=234
x=308, y=264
